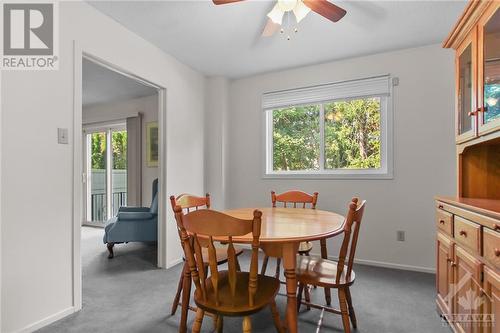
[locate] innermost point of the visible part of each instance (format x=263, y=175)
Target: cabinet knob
x=471, y=113
x=496, y=227
x=497, y=252
x=453, y=264
x=440, y=207
x=441, y=221
x=463, y=233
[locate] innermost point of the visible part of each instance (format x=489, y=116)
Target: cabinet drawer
x=467, y=233
x=491, y=250
x=444, y=221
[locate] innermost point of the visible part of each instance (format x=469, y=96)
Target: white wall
x=424, y=162
x=36, y=172
x=148, y=107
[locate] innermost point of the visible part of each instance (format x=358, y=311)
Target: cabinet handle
x=463, y=233
x=453, y=264
x=471, y=113
x=496, y=227
x=497, y=252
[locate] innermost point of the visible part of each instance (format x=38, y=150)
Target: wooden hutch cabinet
x=468, y=225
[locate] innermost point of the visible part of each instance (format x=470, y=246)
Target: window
x=338, y=130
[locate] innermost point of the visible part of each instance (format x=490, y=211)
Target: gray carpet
x=128, y=294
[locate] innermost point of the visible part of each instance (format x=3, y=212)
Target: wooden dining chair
x=230, y=292
x=188, y=203
x=297, y=199
x=330, y=274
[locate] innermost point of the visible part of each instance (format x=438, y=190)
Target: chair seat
x=321, y=272
x=220, y=252
x=305, y=247
x=267, y=289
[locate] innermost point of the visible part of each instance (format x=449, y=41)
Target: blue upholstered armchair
x=133, y=224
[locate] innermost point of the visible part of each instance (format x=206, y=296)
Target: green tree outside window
x=98, y=150
x=351, y=136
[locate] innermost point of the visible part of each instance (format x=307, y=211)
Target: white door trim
x=79, y=54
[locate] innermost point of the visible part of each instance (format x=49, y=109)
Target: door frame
x=80, y=54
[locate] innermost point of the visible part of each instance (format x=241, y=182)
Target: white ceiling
x=101, y=85
x=225, y=40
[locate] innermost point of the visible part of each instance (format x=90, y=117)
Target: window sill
x=340, y=176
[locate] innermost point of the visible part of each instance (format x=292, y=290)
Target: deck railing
x=98, y=204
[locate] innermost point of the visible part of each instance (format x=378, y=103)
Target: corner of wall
x=216, y=108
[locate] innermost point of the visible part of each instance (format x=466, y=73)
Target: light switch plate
x=62, y=136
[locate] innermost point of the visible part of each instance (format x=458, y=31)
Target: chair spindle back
x=295, y=197
x=352, y=224
x=199, y=228
x=188, y=201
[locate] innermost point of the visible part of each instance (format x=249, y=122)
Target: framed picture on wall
x=152, y=144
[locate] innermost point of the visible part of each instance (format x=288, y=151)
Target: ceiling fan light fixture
x=276, y=14
x=287, y=5
x=300, y=11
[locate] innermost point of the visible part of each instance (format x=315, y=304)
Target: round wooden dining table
x=282, y=230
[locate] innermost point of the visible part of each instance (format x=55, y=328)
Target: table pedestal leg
x=289, y=263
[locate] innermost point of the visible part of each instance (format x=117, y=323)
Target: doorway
x=100, y=190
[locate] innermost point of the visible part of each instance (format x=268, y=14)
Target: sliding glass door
x=105, y=170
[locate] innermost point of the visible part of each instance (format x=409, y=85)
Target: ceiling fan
x=300, y=9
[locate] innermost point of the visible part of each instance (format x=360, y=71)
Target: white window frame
x=386, y=140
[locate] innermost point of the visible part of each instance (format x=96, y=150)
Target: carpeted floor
x=129, y=294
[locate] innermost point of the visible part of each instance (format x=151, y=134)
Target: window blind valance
x=379, y=85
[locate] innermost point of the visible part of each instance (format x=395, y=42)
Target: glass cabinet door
x=466, y=103
x=489, y=72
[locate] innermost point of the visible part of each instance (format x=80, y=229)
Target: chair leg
x=299, y=296
x=307, y=296
x=328, y=297
x=351, y=308
x=247, y=325
x=238, y=268
x=178, y=293
x=110, y=249
x=198, y=320
x=276, y=317
x=278, y=266
x=186, y=295
x=344, y=310
x=219, y=323
x=264, y=265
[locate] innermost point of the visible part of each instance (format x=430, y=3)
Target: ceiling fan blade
x=270, y=28
x=223, y=2
x=325, y=9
